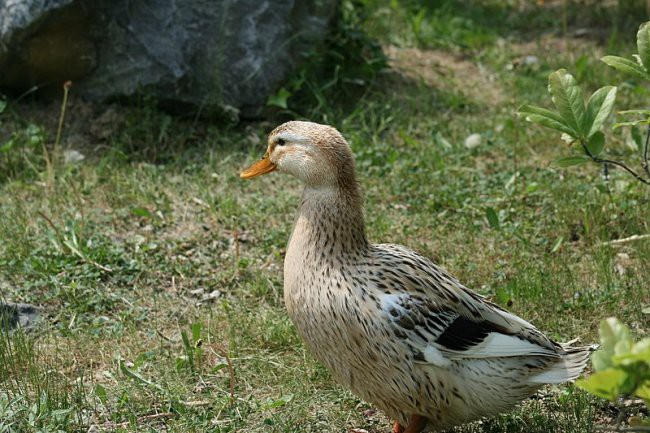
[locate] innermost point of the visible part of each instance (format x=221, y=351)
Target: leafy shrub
x=341, y=68
x=21, y=152
x=581, y=124
x=622, y=366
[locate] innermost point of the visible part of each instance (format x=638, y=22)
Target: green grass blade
x=137, y=377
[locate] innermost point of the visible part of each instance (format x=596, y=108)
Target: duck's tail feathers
x=571, y=363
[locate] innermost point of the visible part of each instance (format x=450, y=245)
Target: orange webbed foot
x=416, y=425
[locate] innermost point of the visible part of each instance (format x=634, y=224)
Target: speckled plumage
x=388, y=323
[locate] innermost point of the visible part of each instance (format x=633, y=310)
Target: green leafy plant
x=622, y=367
x=581, y=123
x=343, y=67
x=193, y=358
x=639, y=67
x=26, y=149
x=34, y=396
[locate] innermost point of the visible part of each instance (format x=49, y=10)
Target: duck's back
x=406, y=336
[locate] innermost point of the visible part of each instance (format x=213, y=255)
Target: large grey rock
x=205, y=53
x=13, y=315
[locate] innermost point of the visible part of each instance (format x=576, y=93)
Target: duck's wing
x=441, y=320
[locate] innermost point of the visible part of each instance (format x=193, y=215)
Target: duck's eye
x=280, y=142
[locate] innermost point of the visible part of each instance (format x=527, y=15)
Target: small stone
x=106, y=124
x=473, y=141
x=72, y=156
x=136, y=240
x=197, y=292
x=622, y=261
x=581, y=32
x=531, y=60
x=211, y=296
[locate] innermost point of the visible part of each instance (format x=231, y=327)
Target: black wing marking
x=464, y=333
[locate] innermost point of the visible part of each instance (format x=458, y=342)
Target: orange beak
x=261, y=167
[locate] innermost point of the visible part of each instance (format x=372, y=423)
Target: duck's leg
x=397, y=428
x=416, y=425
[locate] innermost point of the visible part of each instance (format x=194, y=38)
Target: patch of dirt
x=581, y=41
x=443, y=70
x=86, y=126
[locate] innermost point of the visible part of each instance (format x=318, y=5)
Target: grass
x=160, y=272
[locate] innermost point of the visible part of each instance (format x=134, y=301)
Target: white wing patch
x=434, y=356
x=393, y=303
x=497, y=345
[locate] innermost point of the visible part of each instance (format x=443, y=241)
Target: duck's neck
x=330, y=221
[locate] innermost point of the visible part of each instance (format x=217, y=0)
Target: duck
x=389, y=324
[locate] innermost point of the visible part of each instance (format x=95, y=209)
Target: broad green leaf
x=279, y=99
x=643, y=44
x=642, y=347
x=596, y=143
x=141, y=212
x=547, y=118
x=605, y=384
x=643, y=392
x=626, y=65
x=611, y=331
x=599, y=106
x=279, y=402
x=623, y=348
x=571, y=161
x=3, y=105
x=641, y=351
x=492, y=217
x=568, y=99
x=602, y=360
x=100, y=392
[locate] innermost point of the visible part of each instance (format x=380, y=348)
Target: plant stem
x=616, y=163
x=645, y=165
x=622, y=429
x=625, y=240
x=57, y=142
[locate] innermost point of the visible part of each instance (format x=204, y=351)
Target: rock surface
x=13, y=315
x=203, y=53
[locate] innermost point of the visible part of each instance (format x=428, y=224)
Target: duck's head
x=316, y=154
